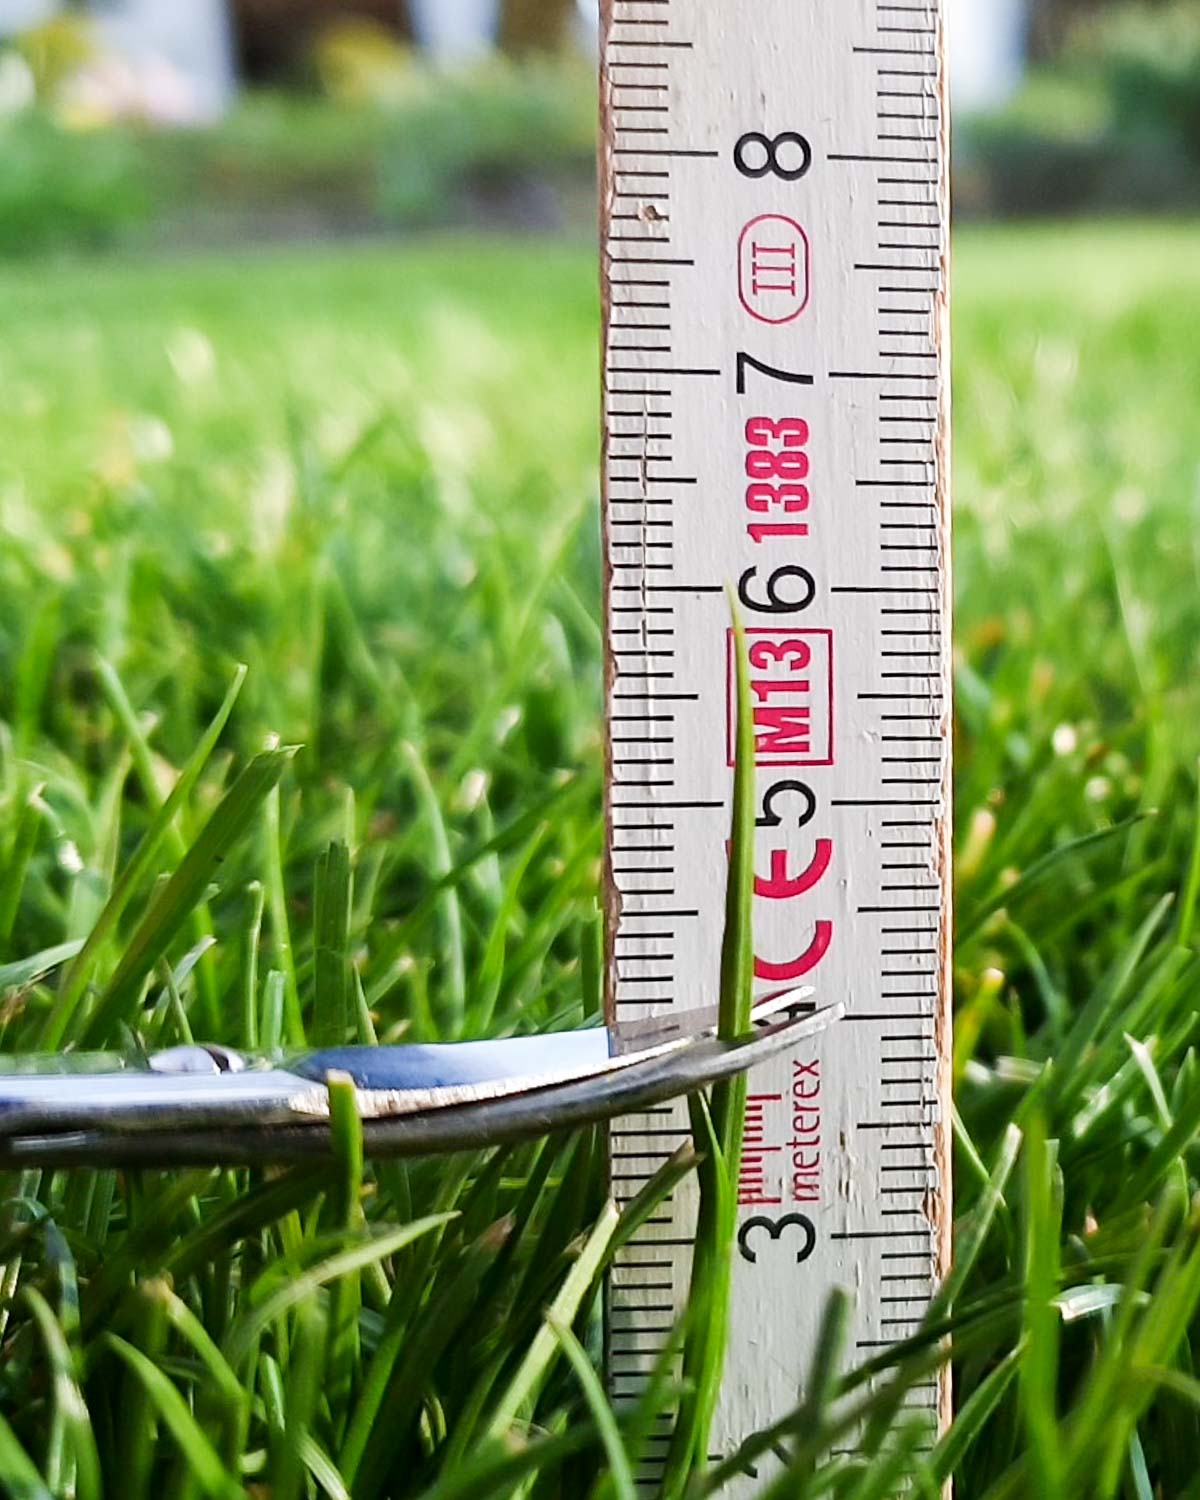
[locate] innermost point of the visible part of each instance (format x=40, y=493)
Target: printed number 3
x=774, y=1229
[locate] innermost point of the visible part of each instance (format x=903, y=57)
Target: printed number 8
x=787, y=464
x=745, y=158
x=792, y=432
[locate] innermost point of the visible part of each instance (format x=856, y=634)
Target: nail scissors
x=207, y=1104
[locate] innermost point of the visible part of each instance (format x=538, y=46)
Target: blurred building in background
x=204, y=44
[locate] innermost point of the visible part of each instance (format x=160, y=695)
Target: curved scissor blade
x=226, y=1124
x=636, y=1036
x=203, y=1087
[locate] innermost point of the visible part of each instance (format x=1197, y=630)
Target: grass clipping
x=717, y=1126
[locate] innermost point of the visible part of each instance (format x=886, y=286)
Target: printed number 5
x=774, y=1229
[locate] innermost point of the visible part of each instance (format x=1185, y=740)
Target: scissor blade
x=241, y=1131
x=203, y=1088
x=143, y=1100
x=186, y=1089
x=636, y=1036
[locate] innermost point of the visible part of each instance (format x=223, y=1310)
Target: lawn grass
x=370, y=476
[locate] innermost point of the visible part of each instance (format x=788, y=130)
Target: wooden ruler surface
x=775, y=280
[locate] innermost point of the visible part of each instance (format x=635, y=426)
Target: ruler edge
x=942, y=1217
x=610, y=904
x=943, y=1022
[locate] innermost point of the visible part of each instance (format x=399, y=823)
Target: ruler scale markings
x=760, y=276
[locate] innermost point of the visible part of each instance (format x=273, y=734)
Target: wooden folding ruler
x=775, y=226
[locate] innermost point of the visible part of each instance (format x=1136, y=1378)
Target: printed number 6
x=774, y=1229
x=775, y=602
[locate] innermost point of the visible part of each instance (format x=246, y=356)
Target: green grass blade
x=487, y=986
x=619, y=1468
x=138, y=1429
x=1093, y=1020
x=971, y=1239
x=251, y=940
x=70, y=1407
x=717, y=1129
x=277, y=904
x=556, y=805
x=501, y=1470
x=1049, y=864
x=680, y=1164
x=24, y=972
x=223, y=1401
x=323, y=1469
x=34, y=668
x=301, y=1284
x=535, y=1366
x=18, y=1473
x=274, y=1007
x=141, y=754
x=1142, y=1182
x=301, y=1397
x=1191, y=890
x=346, y=1299
x=178, y=897
x=591, y=963
x=331, y=942
x=16, y=861
x=203, y=1461
x=453, y=990
x=974, y=1415
x=737, y=943
x=1040, y=1368
x=60, y=1019
x=400, y=1370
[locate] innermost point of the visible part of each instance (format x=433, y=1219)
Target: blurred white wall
x=181, y=49
x=455, y=31
x=987, y=51
x=589, y=15
x=19, y=15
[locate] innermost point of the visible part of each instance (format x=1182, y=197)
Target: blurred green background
x=161, y=123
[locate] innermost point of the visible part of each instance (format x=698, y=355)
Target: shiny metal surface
x=208, y=1120
x=207, y=1102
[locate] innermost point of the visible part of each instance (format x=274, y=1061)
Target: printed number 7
x=747, y=362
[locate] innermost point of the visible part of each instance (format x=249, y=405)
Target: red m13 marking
x=791, y=685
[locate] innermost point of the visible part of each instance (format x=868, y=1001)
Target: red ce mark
x=780, y=885
x=807, y=961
